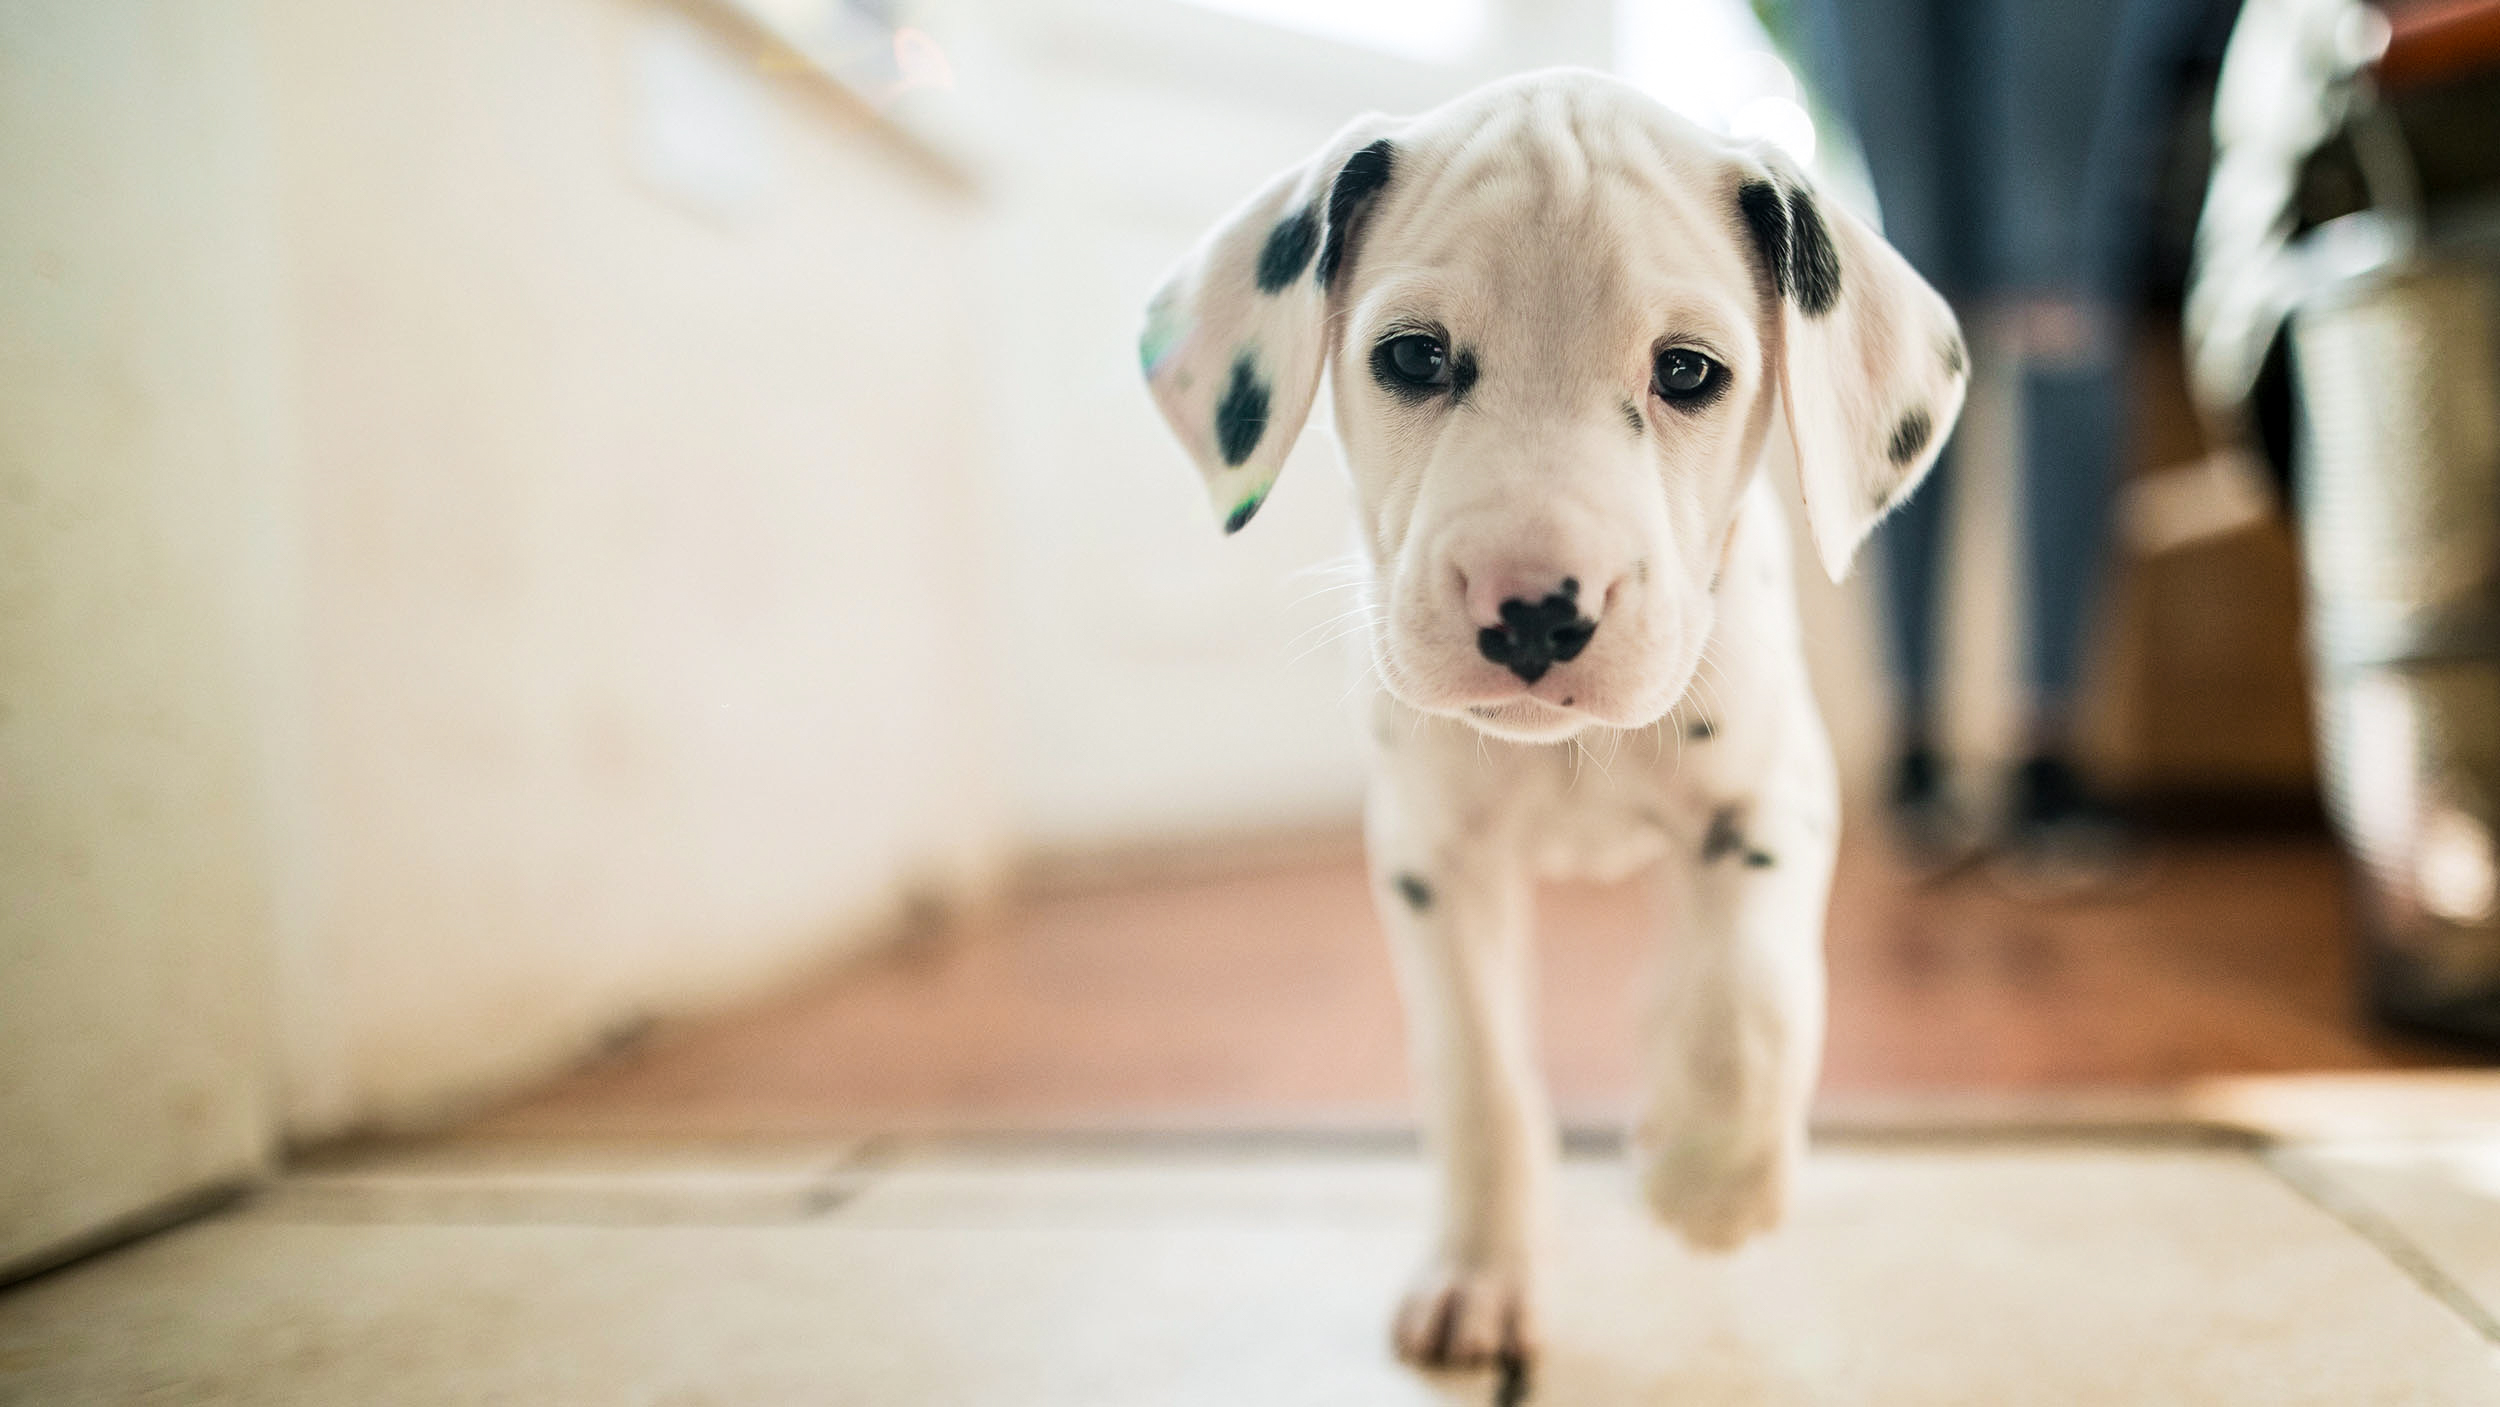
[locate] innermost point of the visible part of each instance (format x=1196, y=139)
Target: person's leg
x=2072, y=244
x=2060, y=838
x=1914, y=547
x=1886, y=67
x=2071, y=421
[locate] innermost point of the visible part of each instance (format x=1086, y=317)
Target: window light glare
x=1780, y=121
x=1433, y=31
x=1711, y=61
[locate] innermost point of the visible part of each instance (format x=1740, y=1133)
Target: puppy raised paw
x=1717, y=1193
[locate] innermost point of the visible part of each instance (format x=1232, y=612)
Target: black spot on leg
x=1632, y=417
x=1361, y=178
x=1288, y=250
x=1416, y=893
x=1241, y=417
x=1814, y=262
x=1725, y=838
x=1910, y=436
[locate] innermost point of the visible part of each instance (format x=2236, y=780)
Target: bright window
x=1710, y=60
x=1434, y=31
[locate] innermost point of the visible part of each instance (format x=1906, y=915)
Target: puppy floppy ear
x=1872, y=365
x=1235, y=341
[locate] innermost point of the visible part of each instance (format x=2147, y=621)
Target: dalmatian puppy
x=1562, y=327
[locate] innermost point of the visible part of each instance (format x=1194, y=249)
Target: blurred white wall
x=488, y=553
x=632, y=479
x=138, y=433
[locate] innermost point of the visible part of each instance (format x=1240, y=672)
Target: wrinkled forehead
x=1543, y=209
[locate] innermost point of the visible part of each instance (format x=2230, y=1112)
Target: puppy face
x=1559, y=322
x=1552, y=382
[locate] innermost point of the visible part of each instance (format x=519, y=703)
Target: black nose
x=1534, y=635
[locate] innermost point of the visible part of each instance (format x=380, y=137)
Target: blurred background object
x=2351, y=286
x=625, y=534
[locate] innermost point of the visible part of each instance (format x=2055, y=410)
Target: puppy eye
x=1686, y=377
x=1418, y=359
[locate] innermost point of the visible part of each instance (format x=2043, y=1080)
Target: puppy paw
x=1717, y=1196
x=1468, y=1317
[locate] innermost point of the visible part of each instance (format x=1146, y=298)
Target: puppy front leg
x=1736, y=1037
x=1457, y=913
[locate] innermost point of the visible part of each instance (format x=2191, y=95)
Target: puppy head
x=1559, y=321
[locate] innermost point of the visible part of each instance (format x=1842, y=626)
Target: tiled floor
x=760, y=1210
x=1188, y=1271
x=1266, y=999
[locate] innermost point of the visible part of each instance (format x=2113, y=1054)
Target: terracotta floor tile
x=1267, y=998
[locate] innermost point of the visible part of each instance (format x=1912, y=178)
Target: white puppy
x=1561, y=322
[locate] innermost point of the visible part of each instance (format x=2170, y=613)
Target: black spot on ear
x=1362, y=176
x=1241, y=417
x=1956, y=361
x=1813, y=262
x=1756, y=860
x=1416, y=893
x=1725, y=837
x=1288, y=250
x=1910, y=436
x=1701, y=730
x=1632, y=417
x=1766, y=218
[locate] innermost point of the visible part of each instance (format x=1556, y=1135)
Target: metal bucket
x=2399, y=380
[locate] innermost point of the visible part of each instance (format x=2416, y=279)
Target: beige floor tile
x=1919, y=1274
x=809, y=1313
x=2438, y=1199
x=2014, y=1276
x=1076, y=1191
x=582, y=1182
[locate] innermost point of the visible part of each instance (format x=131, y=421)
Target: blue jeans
x=2011, y=143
